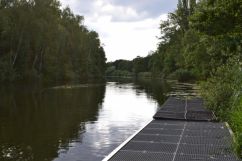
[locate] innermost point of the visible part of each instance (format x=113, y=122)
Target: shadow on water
x=34, y=124
x=156, y=89
x=159, y=89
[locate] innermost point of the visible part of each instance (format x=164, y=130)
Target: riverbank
x=234, y=119
x=223, y=95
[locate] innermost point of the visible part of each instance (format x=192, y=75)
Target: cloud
x=122, y=10
x=127, y=28
x=153, y=7
x=126, y=40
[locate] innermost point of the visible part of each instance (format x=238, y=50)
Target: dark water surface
x=71, y=123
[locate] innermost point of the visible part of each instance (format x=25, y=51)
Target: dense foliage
x=40, y=40
x=203, y=41
x=120, y=68
x=138, y=67
x=223, y=94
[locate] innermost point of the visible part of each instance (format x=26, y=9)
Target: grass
x=235, y=121
x=223, y=94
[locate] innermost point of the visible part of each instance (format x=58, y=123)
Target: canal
x=77, y=122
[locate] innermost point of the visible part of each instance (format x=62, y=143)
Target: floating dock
x=182, y=130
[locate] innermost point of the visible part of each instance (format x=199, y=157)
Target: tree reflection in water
x=34, y=125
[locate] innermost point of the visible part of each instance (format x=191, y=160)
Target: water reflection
x=35, y=125
x=155, y=89
x=83, y=122
x=122, y=113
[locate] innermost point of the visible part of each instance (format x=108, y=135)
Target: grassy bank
x=235, y=122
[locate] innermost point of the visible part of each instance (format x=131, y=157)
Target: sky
x=127, y=28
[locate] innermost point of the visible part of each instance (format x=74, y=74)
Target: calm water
x=85, y=122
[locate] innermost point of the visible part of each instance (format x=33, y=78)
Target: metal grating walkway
x=180, y=109
x=177, y=140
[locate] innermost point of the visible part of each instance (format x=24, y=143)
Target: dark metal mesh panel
x=161, y=132
x=173, y=105
x=207, y=133
x=190, y=110
x=204, y=125
x=205, y=158
x=199, y=115
x=204, y=150
x=164, y=126
x=169, y=115
x=150, y=147
x=168, y=122
x=197, y=111
x=156, y=138
x=141, y=156
x=201, y=141
x=223, y=141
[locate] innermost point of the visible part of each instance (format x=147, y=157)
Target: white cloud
x=126, y=40
x=125, y=31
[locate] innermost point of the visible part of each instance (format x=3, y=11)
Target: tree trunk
x=41, y=60
x=18, y=48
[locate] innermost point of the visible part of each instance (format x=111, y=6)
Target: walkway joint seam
x=174, y=157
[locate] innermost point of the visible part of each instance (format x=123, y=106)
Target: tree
x=40, y=40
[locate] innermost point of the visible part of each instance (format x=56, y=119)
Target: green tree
x=39, y=40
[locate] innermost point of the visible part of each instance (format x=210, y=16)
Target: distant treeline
x=138, y=67
x=39, y=40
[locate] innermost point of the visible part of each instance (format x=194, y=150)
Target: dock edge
x=124, y=143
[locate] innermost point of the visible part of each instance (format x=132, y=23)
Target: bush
x=145, y=75
x=222, y=93
x=184, y=75
x=235, y=121
x=222, y=89
x=112, y=72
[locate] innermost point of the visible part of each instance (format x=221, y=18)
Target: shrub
x=221, y=90
x=235, y=121
x=145, y=75
x=222, y=93
x=183, y=75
